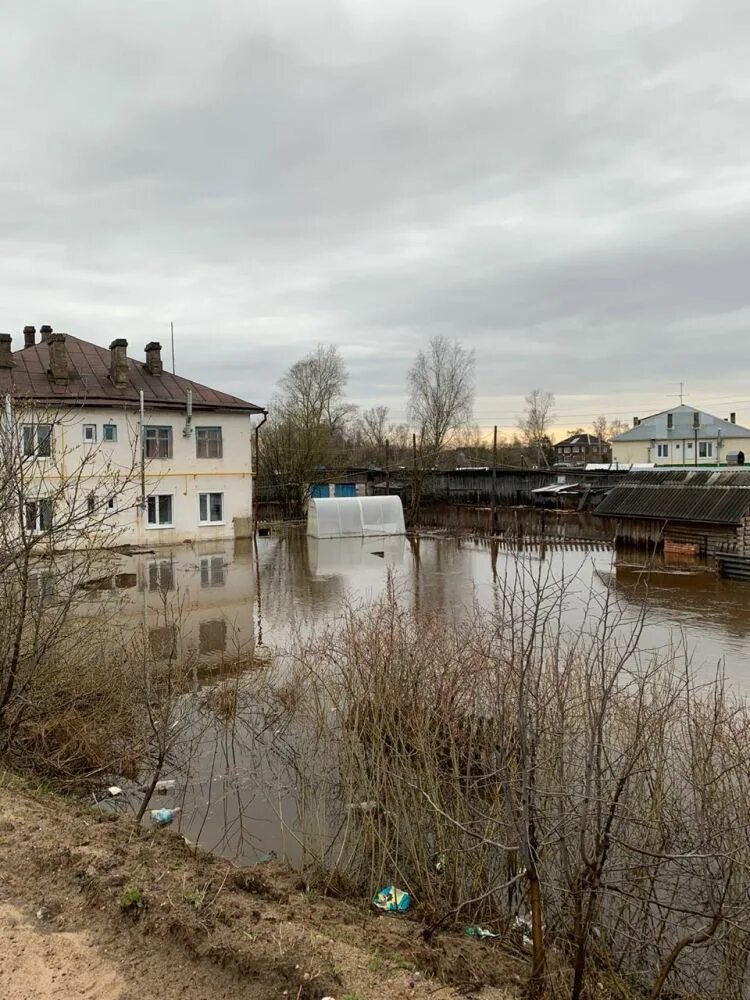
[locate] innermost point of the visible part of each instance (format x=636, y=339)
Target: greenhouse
x=355, y=517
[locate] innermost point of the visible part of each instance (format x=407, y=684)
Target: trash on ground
x=162, y=787
x=392, y=899
x=163, y=817
x=480, y=932
x=366, y=807
x=114, y=791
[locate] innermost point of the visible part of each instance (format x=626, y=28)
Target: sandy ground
x=49, y=966
x=204, y=929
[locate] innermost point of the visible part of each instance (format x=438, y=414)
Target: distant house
x=579, y=449
x=683, y=435
x=183, y=448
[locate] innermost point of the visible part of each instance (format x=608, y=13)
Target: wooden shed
x=696, y=512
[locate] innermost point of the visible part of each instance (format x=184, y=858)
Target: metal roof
x=90, y=383
x=690, y=476
x=677, y=502
x=580, y=438
x=654, y=427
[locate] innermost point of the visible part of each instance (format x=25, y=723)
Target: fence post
x=494, y=482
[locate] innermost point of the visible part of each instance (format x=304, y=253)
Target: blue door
x=346, y=489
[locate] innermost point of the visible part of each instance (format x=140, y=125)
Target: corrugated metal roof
x=708, y=504
x=691, y=476
x=89, y=381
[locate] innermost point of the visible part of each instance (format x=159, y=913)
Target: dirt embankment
x=91, y=907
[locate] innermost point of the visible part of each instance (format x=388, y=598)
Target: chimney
x=58, y=358
x=732, y=418
x=696, y=419
x=118, y=363
x=153, y=359
x=6, y=358
x=29, y=336
x=636, y=421
x=46, y=332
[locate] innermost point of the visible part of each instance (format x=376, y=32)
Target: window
x=111, y=504
x=37, y=440
x=211, y=508
x=212, y=636
x=662, y=450
x=212, y=571
x=38, y=514
x=91, y=503
x=208, y=442
x=705, y=449
x=161, y=574
x=109, y=432
x=89, y=432
x=163, y=642
x=157, y=442
x=690, y=446
x=41, y=587
x=159, y=510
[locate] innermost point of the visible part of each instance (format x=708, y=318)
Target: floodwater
x=254, y=596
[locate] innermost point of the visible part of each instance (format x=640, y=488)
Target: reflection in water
x=258, y=594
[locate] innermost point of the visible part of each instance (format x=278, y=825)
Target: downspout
x=256, y=468
x=143, y=457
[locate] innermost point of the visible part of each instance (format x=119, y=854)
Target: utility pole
x=171, y=328
x=494, y=482
x=387, y=469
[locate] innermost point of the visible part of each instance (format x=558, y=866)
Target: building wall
x=681, y=452
x=653, y=534
x=115, y=468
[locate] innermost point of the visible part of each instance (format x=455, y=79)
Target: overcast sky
x=563, y=186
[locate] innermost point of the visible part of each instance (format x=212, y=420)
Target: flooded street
x=238, y=602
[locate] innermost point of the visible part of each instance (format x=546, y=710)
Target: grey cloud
x=563, y=188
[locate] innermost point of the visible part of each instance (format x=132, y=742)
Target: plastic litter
x=114, y=791
x=392, y=900
x=162, y=787
x=163, y=817
x=370, y=805
x=480, y=932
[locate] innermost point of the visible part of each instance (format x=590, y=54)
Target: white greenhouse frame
x=355, y=517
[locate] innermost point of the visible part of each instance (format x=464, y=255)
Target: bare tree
x=535, y=422
x=304, y=419
x=313, y=390
x=59, y=509
x=441, y=393
x=615, y=428
x=373, y=426
x=600, y=427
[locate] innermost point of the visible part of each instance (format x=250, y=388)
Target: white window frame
x=662, y=451
x=160, y=575
x=705, y=449
x=211, y=577
x=113, y=429
x=157, y=497
x=89, y=433
x=37, y=528
x=208, y=494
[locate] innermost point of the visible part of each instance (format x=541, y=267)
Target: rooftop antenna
x=171, y=327
x=682, y=390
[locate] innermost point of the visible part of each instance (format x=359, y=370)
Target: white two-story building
x=166, y=459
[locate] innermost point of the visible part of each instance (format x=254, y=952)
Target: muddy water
x=237, y=803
